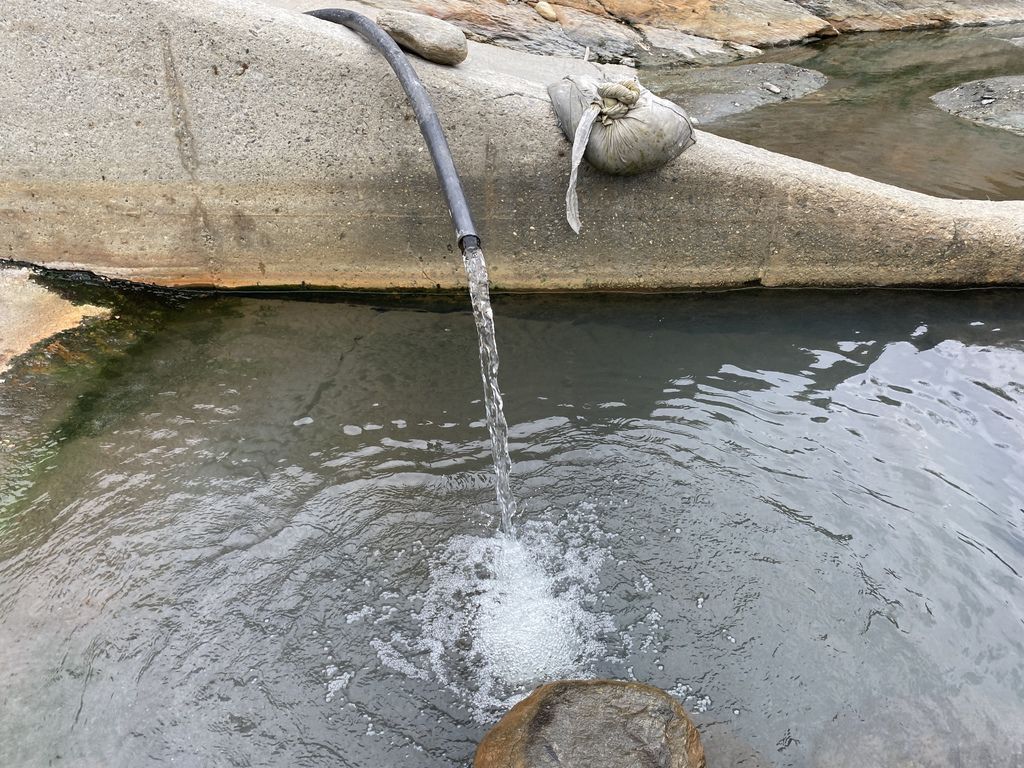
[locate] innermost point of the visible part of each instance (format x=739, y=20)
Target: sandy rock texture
x=710, y=93
x=875, y=15
x=29, y=313
x=996, y=101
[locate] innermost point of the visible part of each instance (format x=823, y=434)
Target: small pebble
x=546, y=11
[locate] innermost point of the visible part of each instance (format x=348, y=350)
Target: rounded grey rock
x=434, y=39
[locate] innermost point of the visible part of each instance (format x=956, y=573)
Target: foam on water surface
x=501, y=615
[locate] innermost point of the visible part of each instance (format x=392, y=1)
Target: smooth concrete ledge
x=232, y=143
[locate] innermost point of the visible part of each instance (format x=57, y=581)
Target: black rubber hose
x=430, y=126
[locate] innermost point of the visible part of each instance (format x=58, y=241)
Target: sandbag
x=619, y=127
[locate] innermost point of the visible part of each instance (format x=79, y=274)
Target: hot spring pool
x=263, y=535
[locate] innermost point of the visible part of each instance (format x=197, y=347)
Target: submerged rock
x=30, y=313
x=997, y=102
x=433, y=39
x=711, y=94
x=593, y=723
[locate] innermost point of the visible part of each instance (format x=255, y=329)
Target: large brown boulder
x=593, y=724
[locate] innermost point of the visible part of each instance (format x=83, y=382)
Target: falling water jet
x=469, y=244
x=476, y=271
x=500, y=609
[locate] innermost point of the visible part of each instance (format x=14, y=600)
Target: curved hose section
x=430, y=126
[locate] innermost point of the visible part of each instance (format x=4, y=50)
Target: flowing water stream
x=262, y=532
x=479, y=293
x=492, y=600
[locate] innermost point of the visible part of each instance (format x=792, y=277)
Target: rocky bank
x=651, y=32
x=997, y=102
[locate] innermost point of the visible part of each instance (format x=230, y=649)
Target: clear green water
x=264, y=534
x=875, y=117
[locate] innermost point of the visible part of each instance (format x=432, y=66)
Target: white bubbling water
x=525, y=631
x=501, y=615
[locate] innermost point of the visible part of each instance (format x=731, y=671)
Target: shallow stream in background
x=875, y=117
x=263, y=532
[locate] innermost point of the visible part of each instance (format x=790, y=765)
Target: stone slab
x=711, y=93
x=997, y=102
x=877, y=15
x=197, y=142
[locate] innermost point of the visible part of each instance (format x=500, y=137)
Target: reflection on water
x=267, y=535
x=875, y=117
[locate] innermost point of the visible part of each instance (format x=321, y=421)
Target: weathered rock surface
x=433, y=39
x=578, y=29
x=667, y=31
x=189, y=142
x=997, y=102
x=875, y=15
x=709, y=94
x=669, y=46
x=593, y=723
x=754, y=22
x=29, y=313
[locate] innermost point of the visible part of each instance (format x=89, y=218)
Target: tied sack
x=620, y=127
